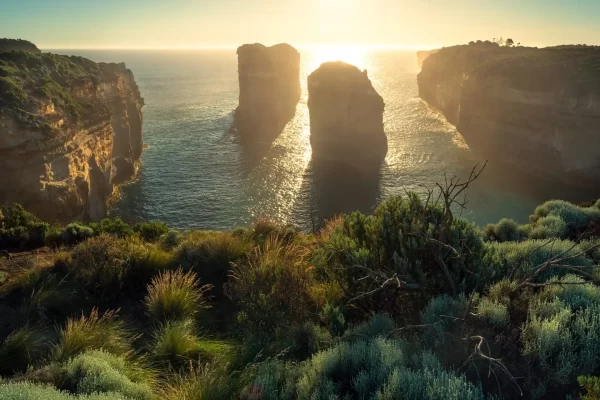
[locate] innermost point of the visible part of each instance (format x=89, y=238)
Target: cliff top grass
x=18, y=44
x=30, y=80
x=575, y=68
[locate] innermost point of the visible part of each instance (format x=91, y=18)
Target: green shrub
x=576, y=218
x=97, y=371
x=21, y=349
x=175, y=295
x=333, y=318
x=441, y=318
x=493, y=312
x=170, y=239
x=308, y=339
x=75, y=233
x=380, y=325
x=113, y=227
x=151, y=231
x=272, y=289
x=20, y=229
x=99, y=263
x=560, y=334
x=550, y=226
x=591, y=385
x=506, y=230
x=205, y=382
x=175, y=343
x=210, y=254
x=93, y=332
x=32, y=391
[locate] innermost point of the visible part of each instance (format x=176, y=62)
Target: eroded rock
x=269, y=79
x=346, y=117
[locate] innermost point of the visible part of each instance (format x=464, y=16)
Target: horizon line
x=234, y=47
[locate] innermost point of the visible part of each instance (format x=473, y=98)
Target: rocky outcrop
x=537, y=110
x=18, y=45
x=423, y=55
x=346, y=117
x=70, y=129
x=269, y=79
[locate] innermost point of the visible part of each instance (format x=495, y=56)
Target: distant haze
x=227, y=23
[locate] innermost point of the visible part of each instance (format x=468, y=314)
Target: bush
x=21, y=349
x=576, y=218
x=97, y=371
x=113, y=227
x=175, y=343
x=20, y=229
x=92, y=332
x=440, y=317
x=591, y=385
x=493, y=312
x=506, y=230
x=308, y=339
x=210, y=254
x=32, y=391
x=151, y=231
x=170, y=239
x=204, y=382
x=75, y=233
x=174, y=296
x=333, y=318
x=380, y=325
x=560, y=334
x=272, y=289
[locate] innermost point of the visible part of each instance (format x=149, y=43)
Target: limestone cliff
x=423, y=55
x=534, y=109
x=70, y=129
x=269, y=79
x=346, y=116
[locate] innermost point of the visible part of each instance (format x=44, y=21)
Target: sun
x=355, y=55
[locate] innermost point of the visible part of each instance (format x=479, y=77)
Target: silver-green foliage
x=32, y=391
x=574, y=217
x=440, y=317
x=97, y=371
x=561, y=332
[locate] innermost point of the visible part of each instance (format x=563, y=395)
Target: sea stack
x=346, y=117
x=269, y=79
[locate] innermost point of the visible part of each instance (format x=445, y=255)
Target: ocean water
x=195, y=173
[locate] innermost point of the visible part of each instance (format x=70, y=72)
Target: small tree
x=509, y=42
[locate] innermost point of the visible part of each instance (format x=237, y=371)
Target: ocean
x=196, y=173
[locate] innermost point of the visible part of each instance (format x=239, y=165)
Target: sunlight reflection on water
x=197, y=174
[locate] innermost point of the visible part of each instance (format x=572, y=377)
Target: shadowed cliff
x=536, y=110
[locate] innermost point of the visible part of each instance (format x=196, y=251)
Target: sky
x=86, y=24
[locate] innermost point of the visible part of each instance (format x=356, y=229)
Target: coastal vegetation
x=409, y=302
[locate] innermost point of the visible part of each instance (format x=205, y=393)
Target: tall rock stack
x=269, y=79
x=346, y=117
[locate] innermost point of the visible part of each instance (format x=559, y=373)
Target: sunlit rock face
x=423, y=55
x=64, y=147
x=537, y=110
x=346, y=117
x=269, y=79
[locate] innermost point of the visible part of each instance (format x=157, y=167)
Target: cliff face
x=269, y=79
x=534, y=109
x=346, y=116
x=70, y=129
x=423, y=55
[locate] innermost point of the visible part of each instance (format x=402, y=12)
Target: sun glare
x=355, y=55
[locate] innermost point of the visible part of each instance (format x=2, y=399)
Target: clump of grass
x=95, y=331
x=175, y=296
x=20, y=349
x=174, y=343
x=32, y=391
x=203, y=382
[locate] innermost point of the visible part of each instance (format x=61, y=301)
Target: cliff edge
x=537, y=110
x=269, y=79
x=70, y=129
x=346, y=116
